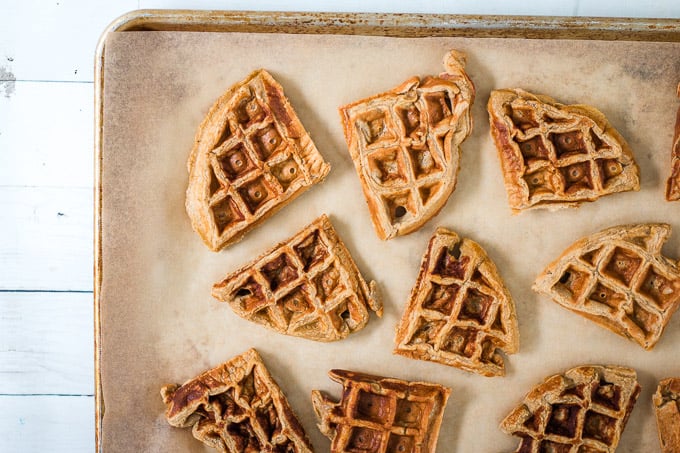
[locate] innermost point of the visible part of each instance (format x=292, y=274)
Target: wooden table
x=46, y=194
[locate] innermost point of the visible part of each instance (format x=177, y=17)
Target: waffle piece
x=405, y=144
x=667, y=408
x=459, y=313
x=381, y=415
x=619, y=279
x=673, y=184
x=307, y=286
x=555, y=155
x=236, y=407
x=251, y=157
x=584, y=410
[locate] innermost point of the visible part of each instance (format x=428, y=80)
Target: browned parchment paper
x=159, y=323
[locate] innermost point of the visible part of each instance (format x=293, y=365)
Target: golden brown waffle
x=555, y=155
x=251, y=157
x=619, y=279
x=667, y=408
x=405, y=144
x=381, y=415
x=307, y=286
x=459, y=313
x=584, y=410
x=236, y=407
x=673, y=183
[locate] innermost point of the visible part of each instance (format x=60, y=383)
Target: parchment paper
x=159, y=323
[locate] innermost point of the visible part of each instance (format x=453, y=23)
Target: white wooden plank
x=54, y=40
x=46, y=240
x=55, y=424
x=46, y=343
x=47, y=135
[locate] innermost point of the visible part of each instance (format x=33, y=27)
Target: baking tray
x=491, y=30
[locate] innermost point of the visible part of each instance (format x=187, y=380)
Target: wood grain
x=46, y=135
x=54, y=41
x=46, y=423
x=46, y=343
x=46, y=240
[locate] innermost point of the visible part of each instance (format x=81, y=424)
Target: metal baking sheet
x=158, y=72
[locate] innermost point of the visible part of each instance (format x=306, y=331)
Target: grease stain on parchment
x=647, y=71
x=7, y=81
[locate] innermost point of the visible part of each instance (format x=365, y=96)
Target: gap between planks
x=46, y=423
x=47, y=344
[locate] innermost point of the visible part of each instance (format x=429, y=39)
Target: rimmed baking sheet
x=156, y=321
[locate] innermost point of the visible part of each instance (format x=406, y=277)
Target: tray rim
x=364, y=24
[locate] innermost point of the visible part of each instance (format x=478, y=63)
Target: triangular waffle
x=673, y=183
x=584, y=410
x=405, y=145
x=236, y=407
x=459, y=313
x=251, y=157
x=619, y=279
x=307, y=286
x=667, y=409
x=555, y=155
x=381, y=415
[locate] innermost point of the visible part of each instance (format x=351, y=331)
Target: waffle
x=619, y=279
x=555, y=156
x=251, y=157
x=381, y=415
x=584, y=410
x=405, y=144
x=236, y=407
x=307, y=286
x=673, y=184
x=459, y=313
x=667, y=408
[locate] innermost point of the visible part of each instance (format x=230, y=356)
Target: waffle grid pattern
x=456, y=314
x=402, y=147
x=624, y=280
x=255, y=163
x=583, y=411
x=555, y=155
x=382, y=415
x=307, y=286
x=565, y=156
x=237, y=407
